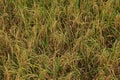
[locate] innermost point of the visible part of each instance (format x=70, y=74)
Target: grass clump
x=60, y=39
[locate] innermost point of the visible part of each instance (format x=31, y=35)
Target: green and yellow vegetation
x=59, y=39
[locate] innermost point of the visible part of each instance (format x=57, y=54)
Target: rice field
x=59, y=39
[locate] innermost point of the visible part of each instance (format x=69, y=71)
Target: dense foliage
x=60, y=39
